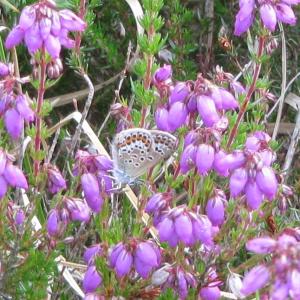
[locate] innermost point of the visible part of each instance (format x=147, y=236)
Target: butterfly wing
x=136, y=150
x=164, y=143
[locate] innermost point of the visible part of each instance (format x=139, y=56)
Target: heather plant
x=192, y=203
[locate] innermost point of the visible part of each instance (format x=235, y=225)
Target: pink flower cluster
x=200, y=148
x=181, y=225
x=271, y=11
x=250, y=170
x=282, y=273
x=10, y=175
x=143, y=255
x=180, y=101
x=95, y=179
x=41, y=25
x=69, y=209
x=14, y=108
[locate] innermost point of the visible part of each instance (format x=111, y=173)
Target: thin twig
x=79, y=95
x=281, y=97
x=117, y=91
x=283, y=83
x=83, y=118
x=52, y=148
x=292, y=147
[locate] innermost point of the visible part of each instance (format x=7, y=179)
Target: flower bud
x=92, y=280
x=163, y=73
x=268, y=16
x=15, y=177
x=23, y=108
x=267, y=182
x=53, y=47
x=238, y=180
x=285, y=14
x=210, y=293
x=33, y=39
x=179, y=93
x=161, y=119
x=255, y=279
x=177, y=115
x=207, y=110
x=262, y=245
x=14, y=123
x=15, y=37
x=70, y=21
x=91, y=191
x=123, y=263
x=53, y=222
x=215, y=211
x=91, y=252
x=254, y=195
x=4, y=69
x=205, y=158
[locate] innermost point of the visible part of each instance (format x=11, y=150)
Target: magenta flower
x=205, y=158
x=14, y=123
x=238, y=180
x=188, y=158
x=207, y=110
x=162, y=74
x=177, y=115
x=123, y=263
x=53, y=223
x=210, y=293
x=4, y=69
x=92, y=252
x=15, y=177
x=215, y=208
x=268, y=16
x=270, y=13
x=15, y=37
x=146, y=257
x=161, y=118
x=267, y=182
x=92, y=280
x=220, y=165
x=23, y=108
x=56, y=182
x=91, y=191
x=158, y=202
x=262, y=245
x=255, y=279
x=78, y=209
x=179, y=93
x=253, y=194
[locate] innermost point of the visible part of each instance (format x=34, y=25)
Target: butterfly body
x=136, y=150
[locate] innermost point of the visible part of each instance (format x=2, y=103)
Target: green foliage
x=31, y=279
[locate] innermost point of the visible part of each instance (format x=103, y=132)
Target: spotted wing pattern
x=136, y=150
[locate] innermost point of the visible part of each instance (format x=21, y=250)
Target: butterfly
x=136, y=150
